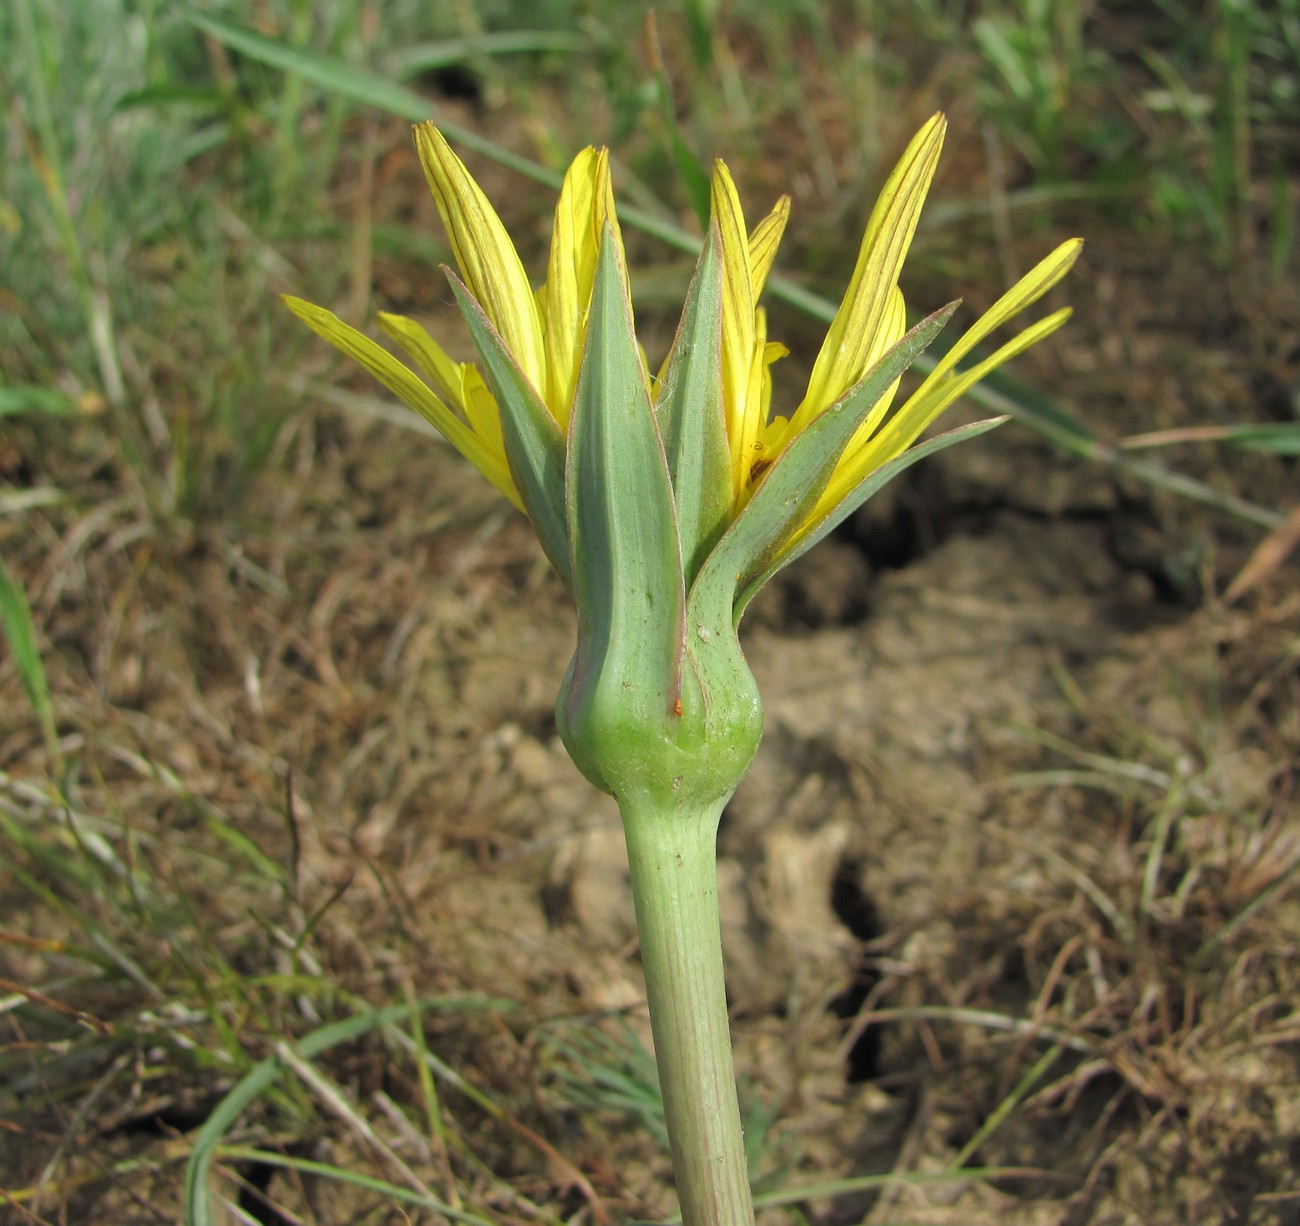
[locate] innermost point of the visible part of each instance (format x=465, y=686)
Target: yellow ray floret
x=488, y=262
x=586, y=204
x=746, y=355
x=857, y=335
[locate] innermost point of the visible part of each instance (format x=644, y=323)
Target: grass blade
x=19, y=630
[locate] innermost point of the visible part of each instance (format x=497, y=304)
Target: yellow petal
x=481, y=408
x=853, y=333
x=760, y=452
x=586, y=202
x=459, y=383
x=1028, y=290
x=429, y=356
x=746, y=444
x=411, y=390
x=763, y=243
x=892, y=328
x=773, y=352
x=487, y=259
x=737, y=319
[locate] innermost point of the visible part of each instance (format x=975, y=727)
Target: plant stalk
x=673, y=857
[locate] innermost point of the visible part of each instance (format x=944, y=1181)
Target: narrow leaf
x=372, y=89
x=533, y=440
x=407, y=62
x=333, y=74
x=1279, y=437
x=794, y=483
x=691, y=416
x=694, y=177
x=16, y=620
x=999, y=393
x=32, y=398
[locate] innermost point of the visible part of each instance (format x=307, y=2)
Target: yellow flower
x=545, y=331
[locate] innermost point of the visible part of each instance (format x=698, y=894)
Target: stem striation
x=673, y=856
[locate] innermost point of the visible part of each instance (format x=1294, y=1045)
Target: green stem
x=673, y=856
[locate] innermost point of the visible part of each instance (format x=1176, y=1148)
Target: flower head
x=665, y=503
x=542, y=337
